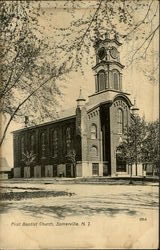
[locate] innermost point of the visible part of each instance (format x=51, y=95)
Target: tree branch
x=139, y=48
x=96, y=12
x=54, y=75
x=112, y=26
x=10, y=77
x=16, y=81
x=18, y=107
x=142, y=21
x=151, y=38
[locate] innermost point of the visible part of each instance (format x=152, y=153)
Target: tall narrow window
x=101, y=80
x=32, y=143
x=55, y=143
x=120, y=121
x=43, y=146
x=68, y=139
x=127, y=120
x=93, y=131
x=22, y=148
x=116, y=80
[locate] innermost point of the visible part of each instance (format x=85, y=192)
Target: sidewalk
x=118, y=180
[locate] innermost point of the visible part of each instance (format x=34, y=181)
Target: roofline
x=98, y=105
x=44, y=124
x=125, y=97
x=106, y=90
x=111, y=101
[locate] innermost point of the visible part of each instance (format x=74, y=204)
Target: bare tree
x=133, y=21
x=28, y=66
x=71, y=157
x=29, y=158
x=31, y=64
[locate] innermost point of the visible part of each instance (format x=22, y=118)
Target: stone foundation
x=27, y=172
x=17, y=172
x=49, y=171
x=61, y=170
x=37, y=172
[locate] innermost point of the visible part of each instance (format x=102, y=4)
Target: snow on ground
x=97, y=216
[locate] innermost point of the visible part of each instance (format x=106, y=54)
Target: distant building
x=91, y=132
x=5, y=170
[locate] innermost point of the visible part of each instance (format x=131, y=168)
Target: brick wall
x=44, y=155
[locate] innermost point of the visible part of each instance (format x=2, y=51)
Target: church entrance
x=120, y=162
x=68, y=170
x=95, y=169
x=54, y=170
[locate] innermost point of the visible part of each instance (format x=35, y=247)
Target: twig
x=16, y=81
x=82, y=39
x=124, y=5
x=139, y=24
x=152, y=34
x=112, y=26
x=9, y=79
x=149, y=43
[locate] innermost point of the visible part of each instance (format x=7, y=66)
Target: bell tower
x=108, y=69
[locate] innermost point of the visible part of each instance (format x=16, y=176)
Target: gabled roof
x=62, y=115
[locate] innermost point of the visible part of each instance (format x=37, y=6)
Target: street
x=106, y=216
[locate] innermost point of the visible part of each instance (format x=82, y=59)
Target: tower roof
x=134, y=109
x=135, y=105
x=81, y=98
x=108, y=38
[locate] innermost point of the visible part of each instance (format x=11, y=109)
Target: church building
x=83, y=141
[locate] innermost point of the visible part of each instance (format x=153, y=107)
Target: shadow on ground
x=61, y=204
x=60, y=212
x=30, y=195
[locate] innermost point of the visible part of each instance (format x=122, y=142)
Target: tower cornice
x=100, y=41
x=120, y=92
x=102, y=63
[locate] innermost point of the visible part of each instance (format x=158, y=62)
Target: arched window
x=94, y=151
x=116, y=80
x=101, y=80
x=120, y=121
x=68, y=139
x=55, y=143
x=93, y=131
x=22, y=148
x=68, y=133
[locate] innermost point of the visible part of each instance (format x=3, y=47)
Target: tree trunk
x=74, y=170
x=130, y=182
x=136, y=168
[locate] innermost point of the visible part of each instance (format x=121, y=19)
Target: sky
x=134, y=81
